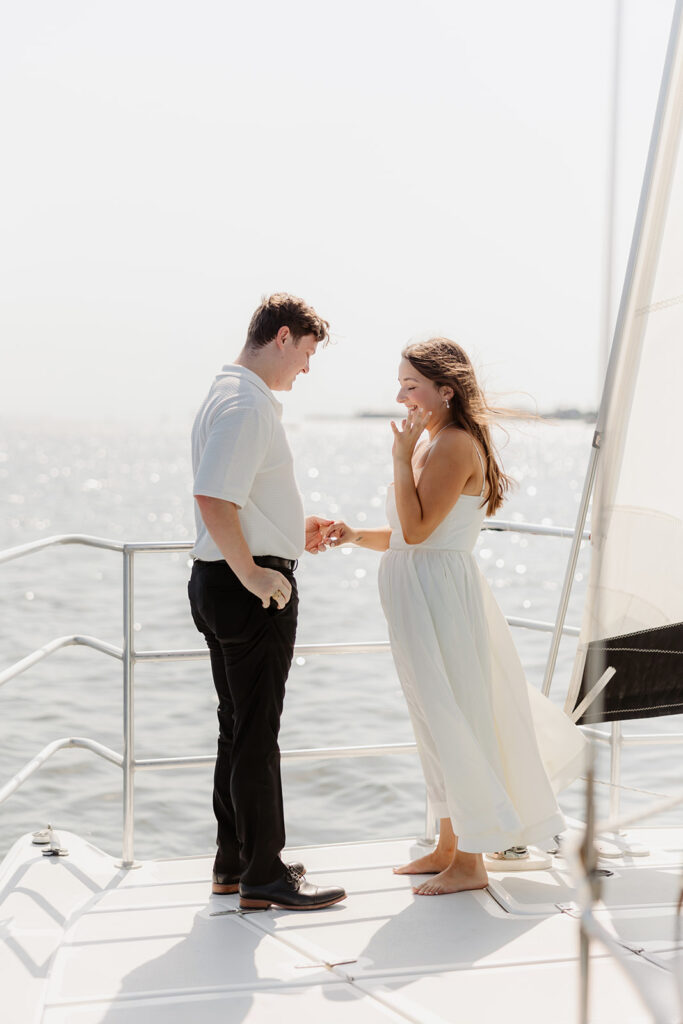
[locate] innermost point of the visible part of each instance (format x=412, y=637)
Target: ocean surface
x=134, y=483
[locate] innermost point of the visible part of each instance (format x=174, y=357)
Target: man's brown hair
x=283, y=310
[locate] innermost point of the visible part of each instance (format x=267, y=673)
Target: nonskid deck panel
x=86, y=942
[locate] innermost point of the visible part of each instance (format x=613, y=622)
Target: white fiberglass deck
x=85, y=942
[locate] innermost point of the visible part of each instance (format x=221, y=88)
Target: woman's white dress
x=494, y=751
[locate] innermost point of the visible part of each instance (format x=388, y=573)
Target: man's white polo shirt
x=240, y=453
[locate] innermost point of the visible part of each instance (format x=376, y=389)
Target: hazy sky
x=408, y=168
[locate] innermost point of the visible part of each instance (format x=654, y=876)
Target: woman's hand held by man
x=340, y=533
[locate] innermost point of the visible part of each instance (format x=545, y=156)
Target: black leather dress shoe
x=289, y=893
x=224, y=885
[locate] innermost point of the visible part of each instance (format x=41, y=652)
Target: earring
x=448, y=404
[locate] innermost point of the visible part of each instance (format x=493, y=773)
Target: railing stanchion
x=571, y=566
x=430, y=824
x=615, y=770
x=128, y=846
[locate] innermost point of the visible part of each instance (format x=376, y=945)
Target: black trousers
x=251, y=651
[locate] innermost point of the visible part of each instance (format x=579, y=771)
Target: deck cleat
x=49, y=838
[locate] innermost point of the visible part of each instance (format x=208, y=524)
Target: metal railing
x=129, y=657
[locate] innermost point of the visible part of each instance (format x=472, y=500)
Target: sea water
x=134, y=483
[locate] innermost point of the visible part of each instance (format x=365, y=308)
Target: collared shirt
x=240, y=453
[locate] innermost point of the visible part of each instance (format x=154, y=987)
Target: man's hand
x=315, y=535
x=267, y=584
x=222, y=521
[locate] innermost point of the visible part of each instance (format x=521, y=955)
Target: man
x=250, y=533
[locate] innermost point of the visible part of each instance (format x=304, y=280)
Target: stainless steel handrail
x=640, y=739
x=63, y=538
x=305, y=754
x=56, y=645
x=129, y=657
x=537, y=529
x=201, y=654
x=300, y=650
x=105, y=543
x=32, y=766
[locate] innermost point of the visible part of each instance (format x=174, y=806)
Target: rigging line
x=663, y=304
x=636, y=650
x=618, y=711
x=648, y=629
x=630, y=789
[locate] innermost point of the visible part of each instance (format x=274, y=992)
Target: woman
x=468, y=699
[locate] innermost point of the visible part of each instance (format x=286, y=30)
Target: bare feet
x=430, y=864
x=455, y=878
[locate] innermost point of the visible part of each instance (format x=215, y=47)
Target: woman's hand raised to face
x=406, y=438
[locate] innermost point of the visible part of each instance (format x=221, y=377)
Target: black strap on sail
x=648, y=676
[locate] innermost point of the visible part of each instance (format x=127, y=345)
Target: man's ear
x=281, y=337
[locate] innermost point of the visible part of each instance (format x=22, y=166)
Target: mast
x=632, y=315
x=604, y=348
x=635, y=513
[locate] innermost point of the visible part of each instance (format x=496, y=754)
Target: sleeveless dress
x=494, y=751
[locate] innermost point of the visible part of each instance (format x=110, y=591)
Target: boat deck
x=86, y=942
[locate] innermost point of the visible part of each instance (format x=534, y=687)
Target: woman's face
x=417, y=391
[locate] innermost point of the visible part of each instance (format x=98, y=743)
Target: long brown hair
x=446, y=364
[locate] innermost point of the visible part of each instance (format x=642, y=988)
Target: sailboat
x=88, y=938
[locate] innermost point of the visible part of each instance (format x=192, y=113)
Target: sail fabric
x=636, y=579
x=647, y=680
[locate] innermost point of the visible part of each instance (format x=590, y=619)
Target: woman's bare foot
x=430, y=864
x=455, y=878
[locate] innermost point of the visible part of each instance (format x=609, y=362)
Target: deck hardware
x=49, y=838
x=553, y=846
x=326, y=963
x=237, y=910
x=572, y=909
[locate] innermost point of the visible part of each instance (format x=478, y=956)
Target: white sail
x=636, y=580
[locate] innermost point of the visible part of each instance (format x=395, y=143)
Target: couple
x=477, y=723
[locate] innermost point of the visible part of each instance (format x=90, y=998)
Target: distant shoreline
x=587, y=416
